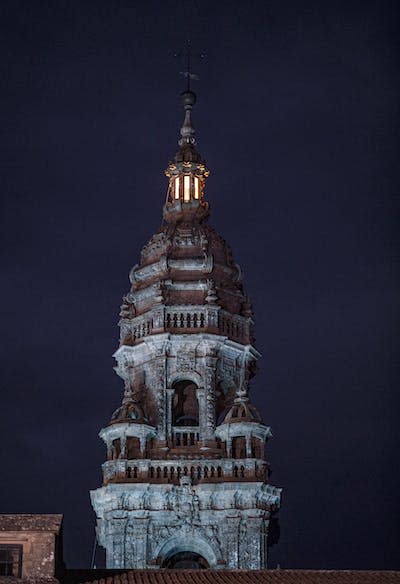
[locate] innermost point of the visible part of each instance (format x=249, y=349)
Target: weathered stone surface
x=38, y=536
x=30, y=522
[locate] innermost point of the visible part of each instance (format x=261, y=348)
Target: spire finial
x=187, y=171
x=188, y=96
x=188, y=55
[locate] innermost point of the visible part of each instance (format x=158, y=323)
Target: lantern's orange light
x=177, y=188
x=196, y=187
x=186, y=188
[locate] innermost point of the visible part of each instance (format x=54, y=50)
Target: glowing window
x=186, y=188
x=196, y=187
x=177, y=188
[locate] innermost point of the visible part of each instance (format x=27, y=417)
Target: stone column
x=248, y=446
x=254, y=543
x=168, y=417
x=109, y=450
x=123, y=446
x=201, y=398
x=161, y=398
x=264, y=544
x=140, y=526
x=142, y=441
x=209, y=376
x=116, y=543
x=231, y=525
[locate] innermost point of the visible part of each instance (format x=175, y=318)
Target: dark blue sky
x=297, y=117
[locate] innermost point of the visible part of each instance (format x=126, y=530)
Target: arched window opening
x=239, y=447
x=185, y=405
x=132, y=448
x=185, y=561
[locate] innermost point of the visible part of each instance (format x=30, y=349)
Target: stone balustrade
x=185, y=436
x=171, y=472
x=186, y=319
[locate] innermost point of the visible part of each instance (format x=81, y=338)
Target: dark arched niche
x=185, y=561
x=185, y=405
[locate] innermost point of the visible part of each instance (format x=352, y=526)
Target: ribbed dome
x=194, y=253
x=188, y=153
x=129, y=412
x=187, y=280
x=242, y=411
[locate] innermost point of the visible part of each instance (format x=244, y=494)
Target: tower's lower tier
x=215, y=525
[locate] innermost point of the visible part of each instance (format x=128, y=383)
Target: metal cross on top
x=189, y=55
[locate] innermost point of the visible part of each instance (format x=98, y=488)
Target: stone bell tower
x=186, y=481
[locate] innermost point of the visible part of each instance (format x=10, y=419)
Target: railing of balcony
x=199, y=472
x=186, y=319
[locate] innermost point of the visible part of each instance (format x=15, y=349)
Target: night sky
x=297, y=118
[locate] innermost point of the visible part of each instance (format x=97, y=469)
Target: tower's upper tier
x=187, y=280
x=186, y=172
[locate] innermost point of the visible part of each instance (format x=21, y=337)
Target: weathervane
x=187, y=52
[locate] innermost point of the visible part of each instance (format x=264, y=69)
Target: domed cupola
x=130, y=412
x=242, y=411
x=127, y=433
x=242, y=430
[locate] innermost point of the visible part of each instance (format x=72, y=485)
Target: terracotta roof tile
x=254, y=577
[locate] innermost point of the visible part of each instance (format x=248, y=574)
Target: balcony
x=200, y=471
x=186, y=319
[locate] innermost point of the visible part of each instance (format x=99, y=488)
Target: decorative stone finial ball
x=188, y=99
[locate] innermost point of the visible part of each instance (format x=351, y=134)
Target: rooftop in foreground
x=250, y=577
